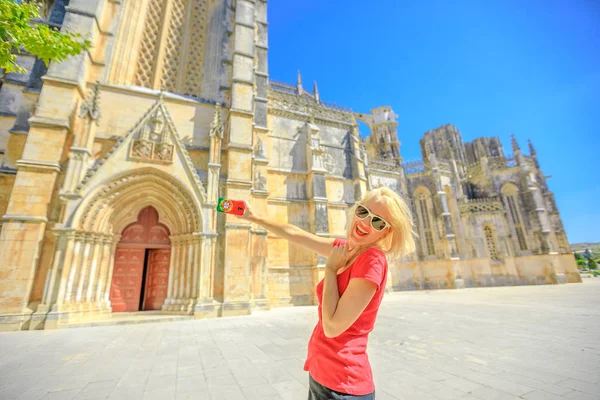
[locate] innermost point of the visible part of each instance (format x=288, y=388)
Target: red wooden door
x=157, y=278
x=127, y=279
x=126, y=289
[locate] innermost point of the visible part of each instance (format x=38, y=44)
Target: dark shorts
x=316, y=391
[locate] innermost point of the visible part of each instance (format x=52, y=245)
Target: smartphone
x=229, y=206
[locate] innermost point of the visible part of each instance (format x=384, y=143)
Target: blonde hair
x=400, y=241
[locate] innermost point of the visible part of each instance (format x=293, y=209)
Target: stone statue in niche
x=260, y=182
x=259, y=150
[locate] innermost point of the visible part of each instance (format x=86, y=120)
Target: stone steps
x=130, y=318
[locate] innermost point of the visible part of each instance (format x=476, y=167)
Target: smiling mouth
x=359, y=231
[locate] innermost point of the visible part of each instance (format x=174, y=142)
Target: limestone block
x=338, y=220
x=276, y=182
x=243, y=68
x=244, y=12
x=262, y=35
x=26, y=61
x=244, y=40
x=6, y=123
x=56, y=102
x=11, y=98
x=262, y=86
x=242, y=97
x=237, y=265
x=260, y=114
x=335, y=190
x=44, y=265
x=6, y=185
x=17, y=264
x=240, y=129
x=92, y=7
x=260, y=12
x=257, y=265
x=240, y=165
x=262, y=64
x=45, y=144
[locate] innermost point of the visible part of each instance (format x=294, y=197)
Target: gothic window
x=172, y=48
x=424, y=206
x=490, y=242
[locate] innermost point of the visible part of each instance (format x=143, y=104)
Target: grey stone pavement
x=532, y=342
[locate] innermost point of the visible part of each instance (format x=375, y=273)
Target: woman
x=351, y=292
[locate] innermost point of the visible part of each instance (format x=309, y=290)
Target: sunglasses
x=377, y=222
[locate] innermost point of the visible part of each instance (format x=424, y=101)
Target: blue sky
x=489, y=67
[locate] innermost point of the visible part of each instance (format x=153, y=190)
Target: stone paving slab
x=529, y=342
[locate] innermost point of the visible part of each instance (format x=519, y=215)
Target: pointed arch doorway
x=141, y=272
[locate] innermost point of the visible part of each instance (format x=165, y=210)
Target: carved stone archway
x=85, y=256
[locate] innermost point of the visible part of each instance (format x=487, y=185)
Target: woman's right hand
x=248, y=214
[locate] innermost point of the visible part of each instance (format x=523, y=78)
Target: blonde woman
x=351, y=291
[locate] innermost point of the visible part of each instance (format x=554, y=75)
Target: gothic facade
x=112, y=163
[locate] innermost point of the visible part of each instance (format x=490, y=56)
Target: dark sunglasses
x=377, y=222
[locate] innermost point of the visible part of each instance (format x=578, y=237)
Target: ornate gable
x=153, y=140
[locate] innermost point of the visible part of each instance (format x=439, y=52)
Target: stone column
x=170, y=300
x=236, y=282
x=177, y=273
x=93, y=281
x=75, y=272
x=205, y=304
x=104, y=261
x=111, y=269
x=88, y=239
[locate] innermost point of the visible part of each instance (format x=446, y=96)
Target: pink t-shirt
x=341, y=363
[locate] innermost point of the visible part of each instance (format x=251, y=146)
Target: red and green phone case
x=229, y=206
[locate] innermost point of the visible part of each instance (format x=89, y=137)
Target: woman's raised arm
x=319, y=245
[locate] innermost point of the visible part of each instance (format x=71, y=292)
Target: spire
x=299, y=84
x=532, y=152
x=316, y=90
x=515, y=145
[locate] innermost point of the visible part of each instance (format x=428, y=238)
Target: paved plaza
x=533, y=342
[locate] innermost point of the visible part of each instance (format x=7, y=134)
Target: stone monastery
x=112, y=163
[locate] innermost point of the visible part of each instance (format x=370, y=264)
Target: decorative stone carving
x=164, y=152
x=142, y=149
x=155, y=124
x=260, y=182
x=217, y=127
x=90, y=107
x=284, y=101
x=259, y=150
x=153, y=142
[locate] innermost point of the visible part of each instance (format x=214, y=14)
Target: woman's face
x=362, y=232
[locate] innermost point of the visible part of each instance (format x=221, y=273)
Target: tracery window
x=172, y=48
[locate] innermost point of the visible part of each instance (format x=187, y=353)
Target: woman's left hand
x=339, y=257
